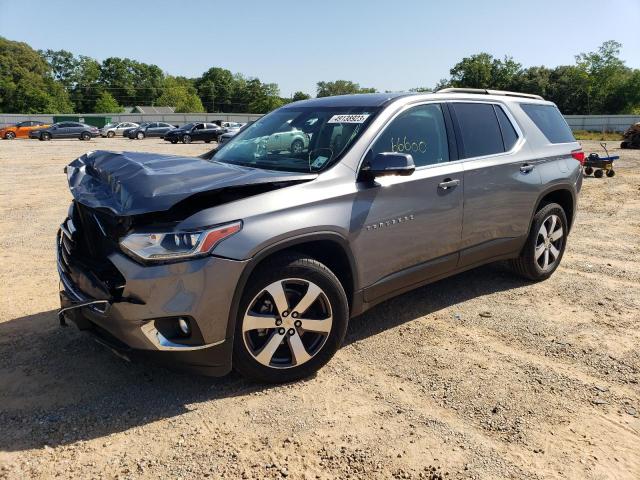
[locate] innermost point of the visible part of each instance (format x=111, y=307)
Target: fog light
x=183, y=323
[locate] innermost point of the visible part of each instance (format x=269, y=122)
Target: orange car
x=20, y=130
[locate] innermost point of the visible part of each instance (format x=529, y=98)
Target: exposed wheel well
x=328, y=252
x=563, y=198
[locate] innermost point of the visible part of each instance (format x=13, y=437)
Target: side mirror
x=388, y=163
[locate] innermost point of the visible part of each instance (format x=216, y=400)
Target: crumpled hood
x=132, y=183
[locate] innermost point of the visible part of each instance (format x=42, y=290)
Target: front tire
x=545, y=244
x=45, y=137
x=10, y=135
x=85, y=136
x=140, y=135
x=111, y=134
x=292, y=318
x=297, y=146
x=186, y=139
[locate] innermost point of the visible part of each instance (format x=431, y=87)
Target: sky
x=389, y=45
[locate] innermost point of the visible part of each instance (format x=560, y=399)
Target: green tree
x=484, y=71
x=300, y=96
x=107, y=104
x=340, y=87
x=180, y=93
x=215, y=88
x=607, y=76
x=63, y=66
x=27, y=84
x=85, y=88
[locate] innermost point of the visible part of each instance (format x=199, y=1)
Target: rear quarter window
x=550, y=122
x=479, y=129
x=509, y=135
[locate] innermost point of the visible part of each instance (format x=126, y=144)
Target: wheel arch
x=563, y=195
x=329, y=248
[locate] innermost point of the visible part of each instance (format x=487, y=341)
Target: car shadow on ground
x=58, y=387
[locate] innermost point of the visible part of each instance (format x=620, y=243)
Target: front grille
x=87, y=240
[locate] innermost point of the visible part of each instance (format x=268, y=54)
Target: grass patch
x=602, y=137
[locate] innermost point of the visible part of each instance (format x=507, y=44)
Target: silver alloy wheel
x=186, y=139
x=279, y=335
x=140, y=135
x=10, y=136
x=549, y=242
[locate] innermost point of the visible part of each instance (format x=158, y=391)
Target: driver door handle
x=526, y=168
x=448, y=183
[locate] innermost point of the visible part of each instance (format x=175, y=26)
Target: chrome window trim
x=515, y=149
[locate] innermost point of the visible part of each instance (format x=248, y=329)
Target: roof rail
x=484, y=91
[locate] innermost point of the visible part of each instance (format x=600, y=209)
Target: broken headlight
x=160, y=246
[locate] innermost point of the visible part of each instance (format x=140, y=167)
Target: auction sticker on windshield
x=360, y=118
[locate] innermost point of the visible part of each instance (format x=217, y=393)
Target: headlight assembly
x=162, y=246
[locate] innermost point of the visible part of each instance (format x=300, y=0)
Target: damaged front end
x=134, y=302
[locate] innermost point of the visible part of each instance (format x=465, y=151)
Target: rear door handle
x=448, y=183
x=526, y=168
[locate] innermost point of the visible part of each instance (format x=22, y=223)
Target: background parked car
x=193, y=132
x=225, y=137
x=20, y=130
x=65, y=130
x=116, y=129
x=231, y=127
x=153, y=129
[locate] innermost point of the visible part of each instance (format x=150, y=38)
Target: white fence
x=601, y=123
x=598, y=123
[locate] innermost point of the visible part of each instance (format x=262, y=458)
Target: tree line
x=57, y=81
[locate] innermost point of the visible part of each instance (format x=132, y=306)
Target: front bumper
x=200, y=289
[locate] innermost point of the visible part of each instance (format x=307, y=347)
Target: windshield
x=188, y=126
x=302, y=139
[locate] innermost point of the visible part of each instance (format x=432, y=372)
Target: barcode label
x=349, y=118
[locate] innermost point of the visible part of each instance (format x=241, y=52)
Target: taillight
x=578, y=155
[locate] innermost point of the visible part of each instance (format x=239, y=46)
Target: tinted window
x=509, y=135
x=420, y=132
x=550, y=121
x=479, y=129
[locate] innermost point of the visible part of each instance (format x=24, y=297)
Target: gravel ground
x=478, y=376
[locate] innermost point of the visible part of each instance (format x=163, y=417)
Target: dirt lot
x=478, y=376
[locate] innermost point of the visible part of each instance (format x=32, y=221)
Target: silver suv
x=256, y=257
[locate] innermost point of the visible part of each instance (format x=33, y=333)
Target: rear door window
x=420, y=132
x=479, y=129
x=509, y=135
x=550, y=122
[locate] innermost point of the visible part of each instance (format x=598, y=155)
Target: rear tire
x=610, y=173
x=9, y=135
x=85, y=136
x=299, y=347
x=588, y=171
x=545, y=244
